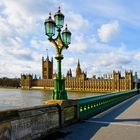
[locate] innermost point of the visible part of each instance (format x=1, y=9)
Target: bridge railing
x=94, y=105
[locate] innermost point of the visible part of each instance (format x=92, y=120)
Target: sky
x=105, y=36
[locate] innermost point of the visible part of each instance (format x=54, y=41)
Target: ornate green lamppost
x=61, y=41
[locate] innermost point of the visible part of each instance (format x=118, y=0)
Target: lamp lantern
x=66, y=36
x=59, y=19
x=49, y=26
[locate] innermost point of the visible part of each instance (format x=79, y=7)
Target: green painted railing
x=94, y=105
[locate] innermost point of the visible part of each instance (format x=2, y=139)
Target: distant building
x=9, y=82
x=47, y=68
x=111, y=83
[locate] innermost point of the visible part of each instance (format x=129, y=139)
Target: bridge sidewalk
x=121, y=122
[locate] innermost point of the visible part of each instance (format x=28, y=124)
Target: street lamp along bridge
x=61, y=41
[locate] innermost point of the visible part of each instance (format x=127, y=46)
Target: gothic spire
x=78, y=69
x=78, y=63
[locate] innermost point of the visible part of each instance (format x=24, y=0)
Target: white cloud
x=100, y=61
x=4, y=28
x=76, y=21
x=113, y=59
x=137, y=56
x=78, y=44
x=18, y=19
x=107, y=31
x=40, y=43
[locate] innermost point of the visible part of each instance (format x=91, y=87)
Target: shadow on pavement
x=57, y=135
x=86, y=130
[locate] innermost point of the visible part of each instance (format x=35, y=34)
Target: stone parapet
x=69, y=112
x=29, y=123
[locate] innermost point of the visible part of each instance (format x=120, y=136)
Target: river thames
x=17, y=98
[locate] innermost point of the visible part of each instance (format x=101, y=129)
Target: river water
x=17, y=98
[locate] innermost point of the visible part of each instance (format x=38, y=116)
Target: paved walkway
x=121, y=122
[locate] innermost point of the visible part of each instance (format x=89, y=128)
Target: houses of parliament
x=80, y=82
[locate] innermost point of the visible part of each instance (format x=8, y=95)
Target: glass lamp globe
x=49, y=27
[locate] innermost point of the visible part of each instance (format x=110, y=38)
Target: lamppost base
x=59, y=95
x=59, y=92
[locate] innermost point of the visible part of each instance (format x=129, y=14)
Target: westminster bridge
x=114, y=116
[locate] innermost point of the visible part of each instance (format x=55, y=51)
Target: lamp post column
x=59, y=91
x=59, y=58
x=61, y=42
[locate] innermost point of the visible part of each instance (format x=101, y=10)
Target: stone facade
x=47, y=68
x=9, y=82
x=80, y=82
